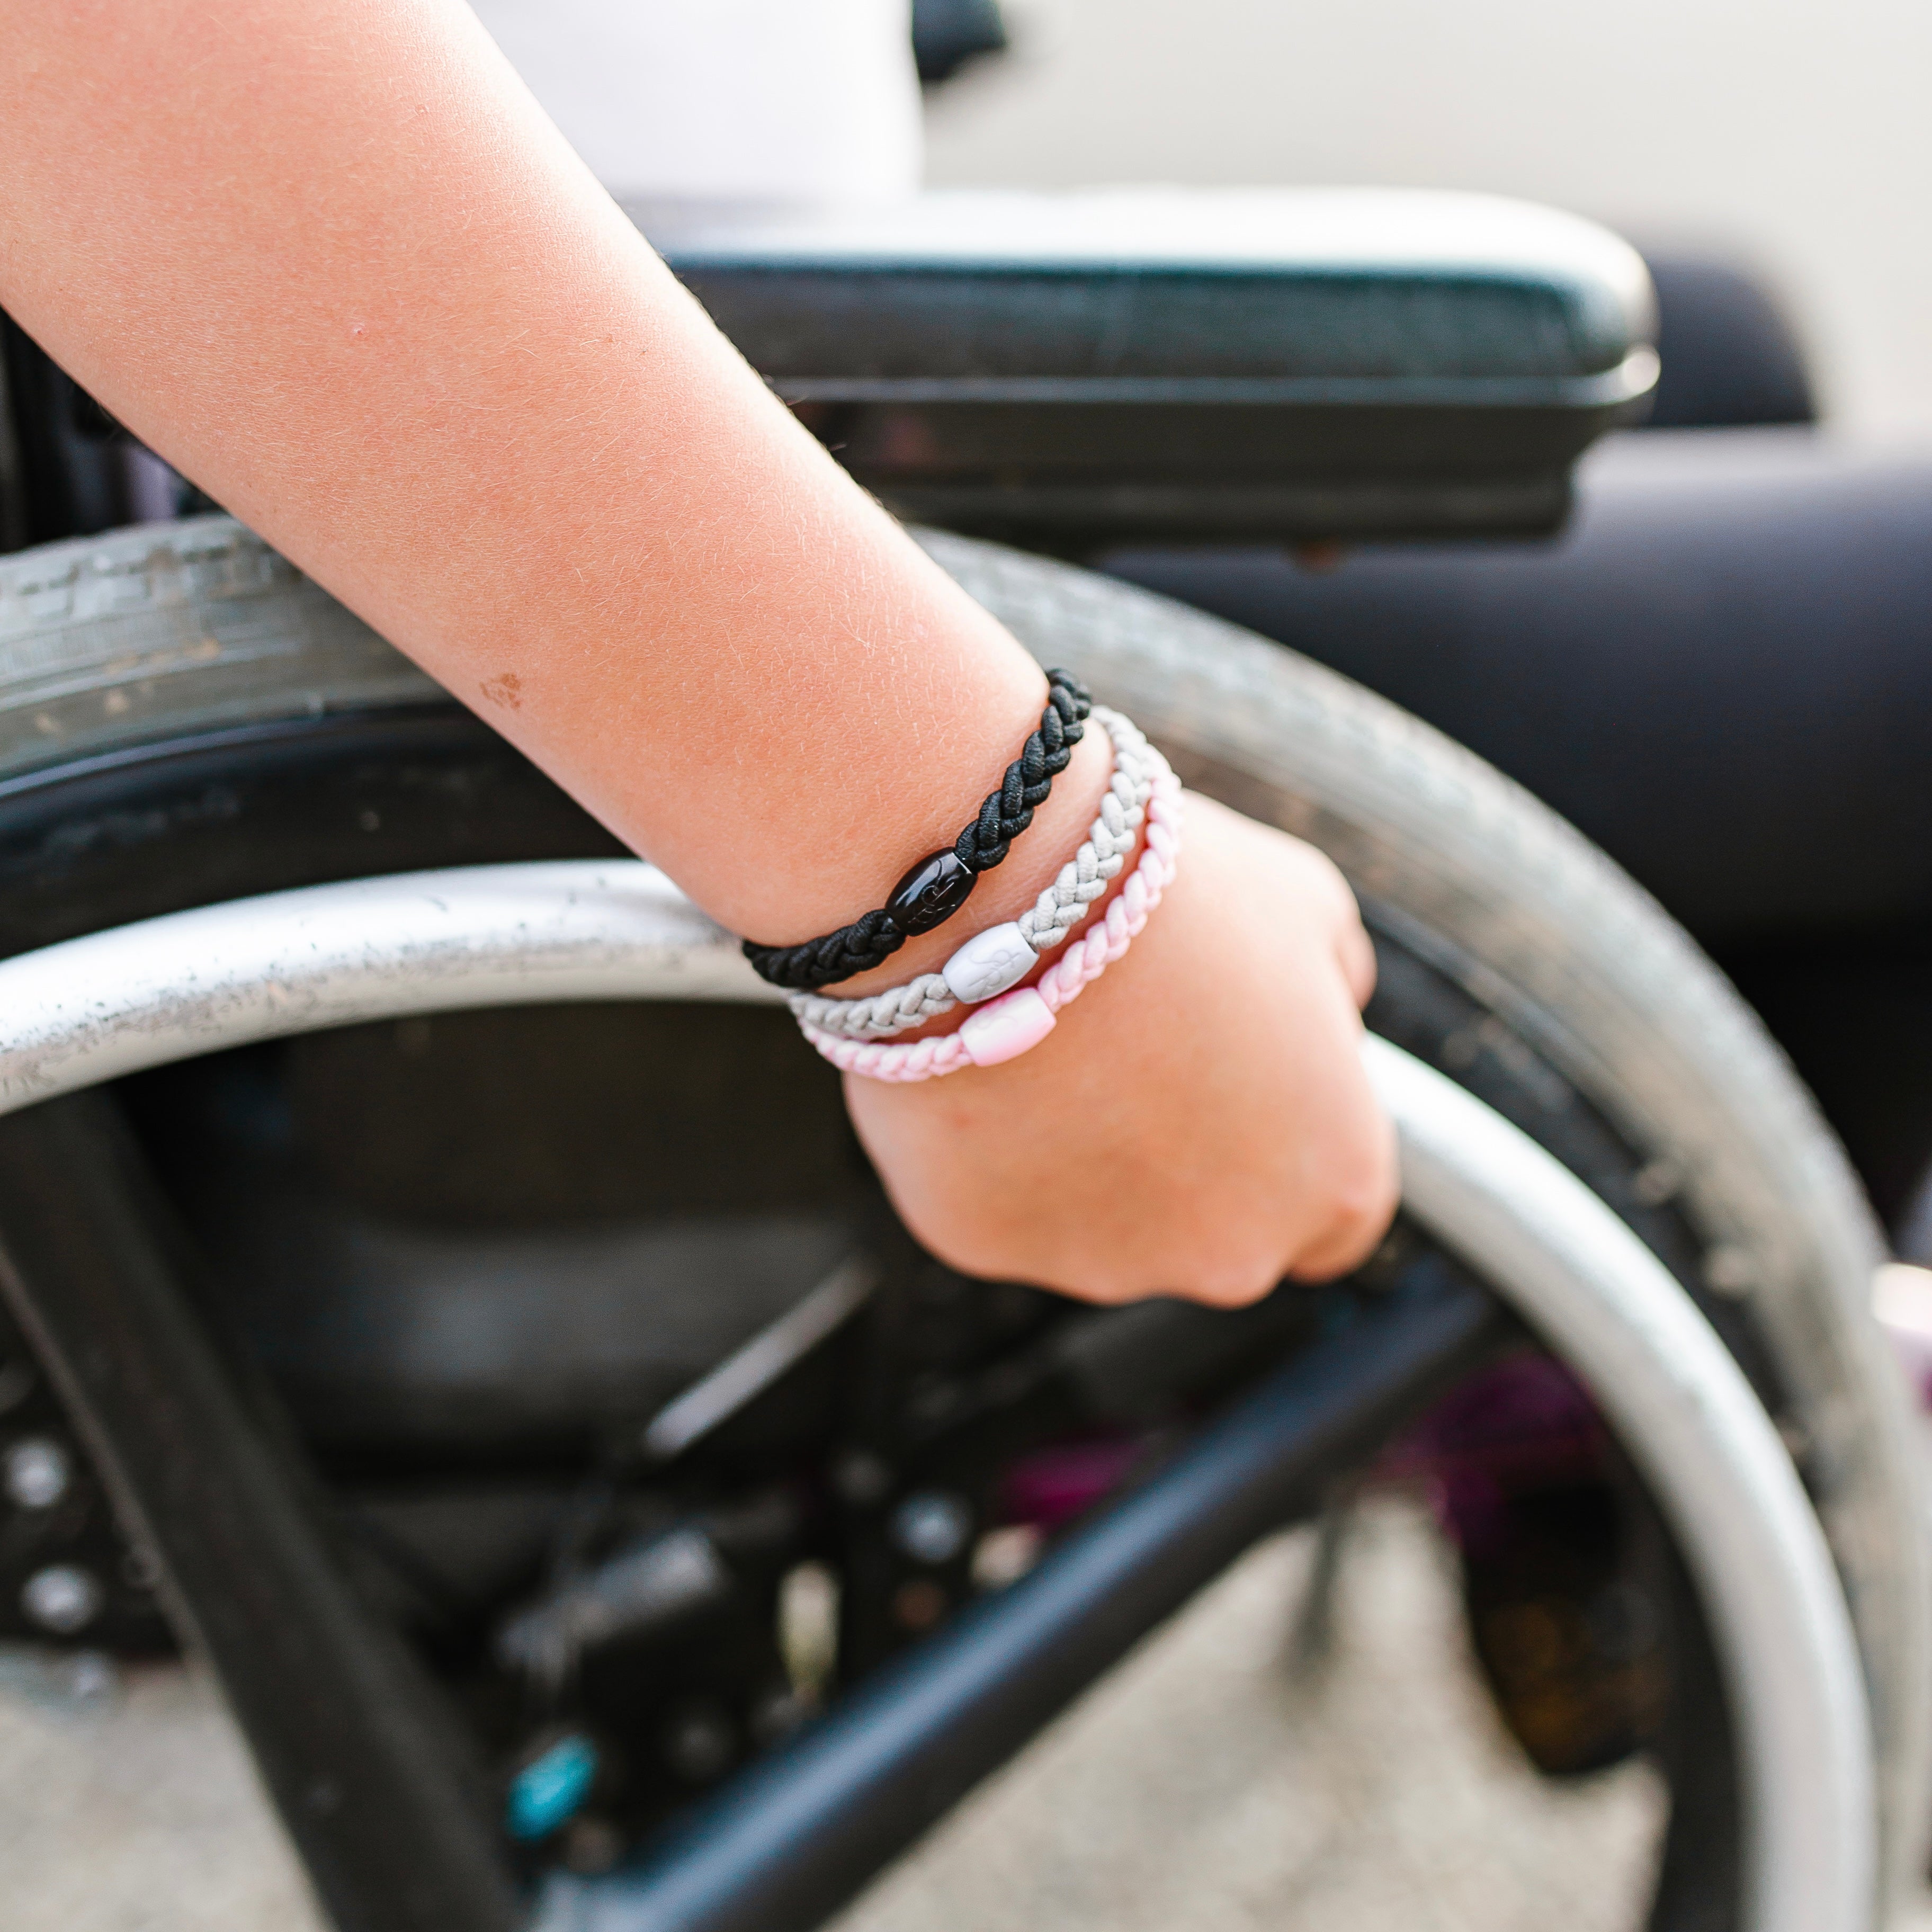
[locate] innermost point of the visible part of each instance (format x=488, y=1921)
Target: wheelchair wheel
x=184, y=720
x=1720, y=1161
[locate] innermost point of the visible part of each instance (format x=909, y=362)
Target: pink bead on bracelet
x=1004, y=1028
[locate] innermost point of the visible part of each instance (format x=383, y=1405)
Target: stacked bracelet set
x=985, y=972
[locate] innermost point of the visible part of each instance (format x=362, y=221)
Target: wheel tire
x=1603, y=1030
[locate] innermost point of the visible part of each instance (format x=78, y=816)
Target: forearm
x=328, y=257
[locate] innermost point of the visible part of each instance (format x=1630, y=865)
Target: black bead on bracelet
x=937, y=887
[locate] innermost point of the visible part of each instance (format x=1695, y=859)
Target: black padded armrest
x=1297, y=363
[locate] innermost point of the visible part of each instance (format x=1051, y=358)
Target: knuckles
x=1362, y=1192
x=1213, y=1246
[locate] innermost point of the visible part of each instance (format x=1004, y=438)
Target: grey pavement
x=1211, y=1785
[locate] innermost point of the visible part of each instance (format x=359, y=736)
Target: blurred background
x=1792, y=137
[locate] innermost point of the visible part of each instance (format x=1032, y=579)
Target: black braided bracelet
x=937, y=887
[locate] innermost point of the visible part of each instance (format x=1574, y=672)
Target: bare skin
x=329, y=259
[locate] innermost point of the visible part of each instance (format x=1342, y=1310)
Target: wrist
x=1005, y=892
x=1083, y=926
x=799, y=806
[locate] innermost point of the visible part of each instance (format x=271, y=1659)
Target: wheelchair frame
x=789, y=1840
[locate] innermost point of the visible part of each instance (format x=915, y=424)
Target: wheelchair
x=445, y=1295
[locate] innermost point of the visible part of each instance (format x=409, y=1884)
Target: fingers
x=1355, y=954
x=1327, y=1213
x=1361, y=1197
x=1324, y=893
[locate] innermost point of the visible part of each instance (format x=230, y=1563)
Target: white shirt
x=812, y=101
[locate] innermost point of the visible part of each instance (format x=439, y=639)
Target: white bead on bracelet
x=1002, y=955
x=1008, y=1026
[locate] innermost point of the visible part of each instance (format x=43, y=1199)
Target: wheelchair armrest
x=1071, y=368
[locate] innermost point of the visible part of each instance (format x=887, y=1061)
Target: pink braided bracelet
x=1004, y=1028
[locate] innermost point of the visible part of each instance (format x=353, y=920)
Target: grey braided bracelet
x=992, y=961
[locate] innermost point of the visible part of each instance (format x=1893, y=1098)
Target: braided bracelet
x=993, y=960
x=1007, y=1027
x=937, y=887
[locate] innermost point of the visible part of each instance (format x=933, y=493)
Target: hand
x=1199, y=1123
